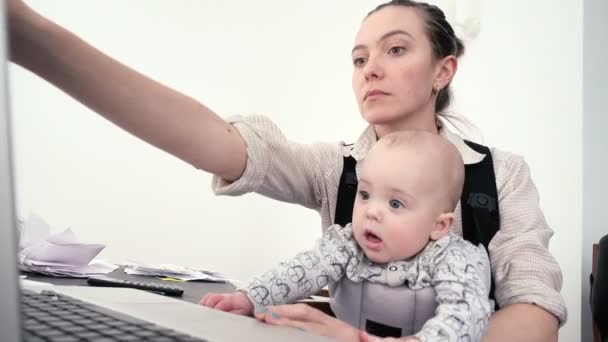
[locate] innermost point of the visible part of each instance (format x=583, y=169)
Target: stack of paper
x=172, y=271
x=59, y=254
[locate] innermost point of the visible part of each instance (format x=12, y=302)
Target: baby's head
x=409, y=186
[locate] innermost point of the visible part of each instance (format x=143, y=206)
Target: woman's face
x=394, y=69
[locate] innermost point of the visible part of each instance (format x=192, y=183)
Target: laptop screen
x=10, y=324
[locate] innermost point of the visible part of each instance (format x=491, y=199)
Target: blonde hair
x=437, y=150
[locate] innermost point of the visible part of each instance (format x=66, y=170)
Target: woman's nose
x=373, y=69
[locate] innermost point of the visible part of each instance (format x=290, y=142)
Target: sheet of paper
x=173, y=271
x=32, y=230
x=78, y=254
x=59, y=254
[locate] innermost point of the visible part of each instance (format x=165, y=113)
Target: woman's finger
x=365, y=337
x=312, y=327
x=260, y=313
x=304, y=317
x=300, y=312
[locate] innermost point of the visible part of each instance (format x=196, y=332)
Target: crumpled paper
x=58, y=254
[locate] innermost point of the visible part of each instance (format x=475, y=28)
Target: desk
x=193, y=291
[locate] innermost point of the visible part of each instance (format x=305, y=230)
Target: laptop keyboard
x=48, y=316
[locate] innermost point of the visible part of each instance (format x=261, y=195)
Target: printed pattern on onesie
x=458, y=270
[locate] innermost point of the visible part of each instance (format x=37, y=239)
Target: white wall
x=595, y=144
x=519, y=82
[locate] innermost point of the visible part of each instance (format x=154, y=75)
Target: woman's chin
x=377, y=117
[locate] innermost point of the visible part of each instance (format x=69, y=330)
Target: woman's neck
x=414, y=122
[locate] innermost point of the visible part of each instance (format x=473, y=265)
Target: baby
x=409, y=186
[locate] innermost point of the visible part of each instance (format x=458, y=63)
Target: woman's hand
x=307, y=318
x=21, y=21
x=16, y=12
x=236, y=302
x=14, y=6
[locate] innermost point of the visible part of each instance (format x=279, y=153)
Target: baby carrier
x=399, y=311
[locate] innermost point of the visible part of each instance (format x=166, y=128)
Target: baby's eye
x=359, y=61
x=395, y=204
x=396, y=50
x=364, y=195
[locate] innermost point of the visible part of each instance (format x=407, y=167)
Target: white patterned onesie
x=457, y=270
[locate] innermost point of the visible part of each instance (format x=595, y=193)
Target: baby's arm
x=461, y=278
x=306, y=273
x=291, y=280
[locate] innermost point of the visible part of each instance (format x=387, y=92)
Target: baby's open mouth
x=371, y=241
x=371, y=237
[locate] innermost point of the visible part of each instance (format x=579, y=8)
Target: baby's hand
x=236, y=302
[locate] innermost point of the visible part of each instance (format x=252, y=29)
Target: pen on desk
x=171, y=279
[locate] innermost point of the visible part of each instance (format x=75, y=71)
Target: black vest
x=479, y=200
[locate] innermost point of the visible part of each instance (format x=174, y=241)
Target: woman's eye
x=360, y=61
x=395, y=204
x=364, y=195
x=396, y=50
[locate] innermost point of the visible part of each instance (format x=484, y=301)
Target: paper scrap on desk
x=59, y=254
x=173, y=271
x=95, y=267
x=62, y=248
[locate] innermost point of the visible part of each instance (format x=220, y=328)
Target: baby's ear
x=443, y=225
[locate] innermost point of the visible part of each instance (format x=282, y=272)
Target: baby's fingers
x=211, y=299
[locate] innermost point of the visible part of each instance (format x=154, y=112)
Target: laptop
x=96, y=313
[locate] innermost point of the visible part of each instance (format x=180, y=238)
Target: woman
x=403, y=61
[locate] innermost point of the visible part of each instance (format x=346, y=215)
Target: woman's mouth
x=374, y=94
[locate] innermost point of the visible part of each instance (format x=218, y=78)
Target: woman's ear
x=446, y=69
x=443, y=225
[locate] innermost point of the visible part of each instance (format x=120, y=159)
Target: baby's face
x=394, y=210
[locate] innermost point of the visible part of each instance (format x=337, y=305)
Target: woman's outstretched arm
x=163, y=117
